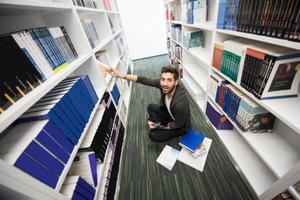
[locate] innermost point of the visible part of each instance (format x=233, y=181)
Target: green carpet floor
x=142, y=178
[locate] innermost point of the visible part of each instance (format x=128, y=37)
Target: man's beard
x=171, y=90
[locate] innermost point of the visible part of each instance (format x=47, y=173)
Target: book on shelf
x=111, y=24
x=218, y=120
x=270, y=72
x=91, y=32
x=84, y=165
x=115, y=93
x=217, y=55
x=269, y=18
x=191, y=140
x=75, y=187
x=85, y=3
x=195, y=11
x=167, y=158
x=64, y=44
x=41, y=151
x=193, y=39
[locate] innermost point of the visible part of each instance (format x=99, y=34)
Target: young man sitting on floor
x=171, y=118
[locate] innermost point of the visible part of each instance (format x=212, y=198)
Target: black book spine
x=69, y=41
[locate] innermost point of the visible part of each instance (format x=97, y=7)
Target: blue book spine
x=46, y=159
x=86, y=186
x=36, y=170
x=92, y=160
x=39, y=44
x=81, y=190
x=72, y=113
x=77, y=196
x=86, y=95
x=75, y=111
x=66, y=131
x=90, y=89
x=53, y=147
x=58, y=136
x=52, y=44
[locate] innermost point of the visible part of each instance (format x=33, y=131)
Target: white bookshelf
x=51, y=13
x=270, y=156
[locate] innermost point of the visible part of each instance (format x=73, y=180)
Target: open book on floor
x=198, y=163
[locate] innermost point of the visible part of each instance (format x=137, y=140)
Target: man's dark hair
x=171, y=70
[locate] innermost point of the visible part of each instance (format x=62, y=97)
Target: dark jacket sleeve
x=148, y=81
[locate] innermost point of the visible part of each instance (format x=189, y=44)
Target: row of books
x=278, y=19
x=31, y=57
x=177, y=50
x=91, y=32
x=247, y=114
x=109, y=5
x=194, y=11
x=176, y=32
x=75, y=187
x=85, y=3
x=115, y=94
x=263, y=70
x=173, y=12
x=193, y=39
x=50, y=130
x=116, y=145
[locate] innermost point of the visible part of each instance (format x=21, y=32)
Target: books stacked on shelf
x=216, y=117
x=269, y=72
x=192, y=39
x=64, y=43
x=175, y=12
x=272, y=19
x=85, y=3
x=103, y=133
x=84, y=165
x=176, y=33
x=245, y=113
x=109, y=5
x=232, y=57
x=194, y=11
x=217, y=55
x=117, y=142
x=263, y=70
x=120, y=45
x=91, y=32
x=31, y=56
x=68, y=106
x=75, y=187
x=38, y=148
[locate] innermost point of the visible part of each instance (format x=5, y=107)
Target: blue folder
x=36, y=170
x=53, y=147
x=191, y=140
x=45, y=158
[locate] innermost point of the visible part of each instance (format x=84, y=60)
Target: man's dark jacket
x=179, y=106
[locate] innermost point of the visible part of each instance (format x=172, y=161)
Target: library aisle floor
x=141, y=177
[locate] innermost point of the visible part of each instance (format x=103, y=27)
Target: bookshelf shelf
x=23, y=104
x=105, y=42
x=241, y=154
x=82, y=9
x=208, y=26
x=275, y=152
x=201, y=54
x=31, y=7
x=270, y=40
x=199, y=75
x=288, y=113
x=195, y=91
